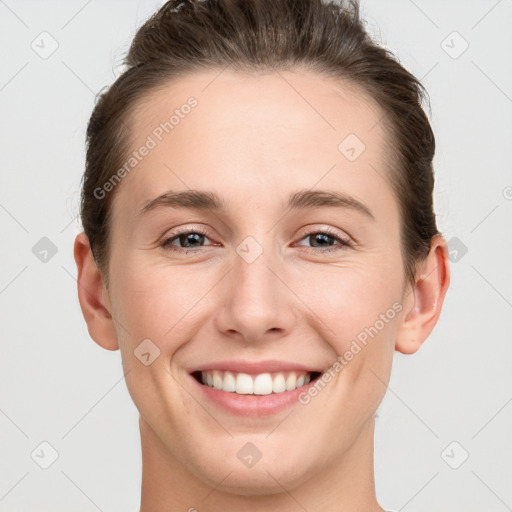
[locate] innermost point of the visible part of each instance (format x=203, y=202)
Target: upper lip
x=255, y=367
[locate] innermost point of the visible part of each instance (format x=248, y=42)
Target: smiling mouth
x=260, y=384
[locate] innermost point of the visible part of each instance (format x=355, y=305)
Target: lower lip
x=253, y=405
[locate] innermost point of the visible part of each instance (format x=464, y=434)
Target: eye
x=190, y=241
x=324, y=238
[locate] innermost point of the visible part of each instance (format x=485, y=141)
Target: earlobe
x=425, y=300
x=93, y=296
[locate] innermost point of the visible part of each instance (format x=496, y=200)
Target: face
x=295, y=269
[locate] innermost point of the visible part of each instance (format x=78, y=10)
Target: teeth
x=278, y=383
x=244, y=384
x=262, y=384
x=217, y=380
x=291, y=382
x=229, y=383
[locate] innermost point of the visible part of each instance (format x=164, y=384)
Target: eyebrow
x=302, y=199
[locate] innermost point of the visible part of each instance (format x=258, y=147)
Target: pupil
x=321, y=237
x=191, y=237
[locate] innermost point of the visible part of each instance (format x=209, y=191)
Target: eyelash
x=343, y=243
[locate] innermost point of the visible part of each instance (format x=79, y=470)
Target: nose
x=257, y=304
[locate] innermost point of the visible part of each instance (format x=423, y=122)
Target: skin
x=254, y=139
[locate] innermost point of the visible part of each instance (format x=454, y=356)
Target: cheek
x=152, y=298
x=352, y=299
x=358, y=309
x=155, y=309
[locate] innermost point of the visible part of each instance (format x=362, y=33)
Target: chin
x=280, y=468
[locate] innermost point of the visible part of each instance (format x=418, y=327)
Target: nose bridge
x=257, y=299
x=253, y=276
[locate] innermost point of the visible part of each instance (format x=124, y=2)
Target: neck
x=348, y=485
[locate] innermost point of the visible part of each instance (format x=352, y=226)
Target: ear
x=93, y=296
x=424, y=300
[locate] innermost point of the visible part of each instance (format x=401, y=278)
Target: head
x=258, y=187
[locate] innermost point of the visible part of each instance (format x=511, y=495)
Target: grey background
x=57, y=386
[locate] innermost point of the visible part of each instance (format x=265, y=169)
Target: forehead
x=258, y=131
x=263, y=104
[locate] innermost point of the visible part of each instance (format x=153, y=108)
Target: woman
x=259, y=238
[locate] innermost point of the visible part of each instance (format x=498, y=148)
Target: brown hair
x=250, y=35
